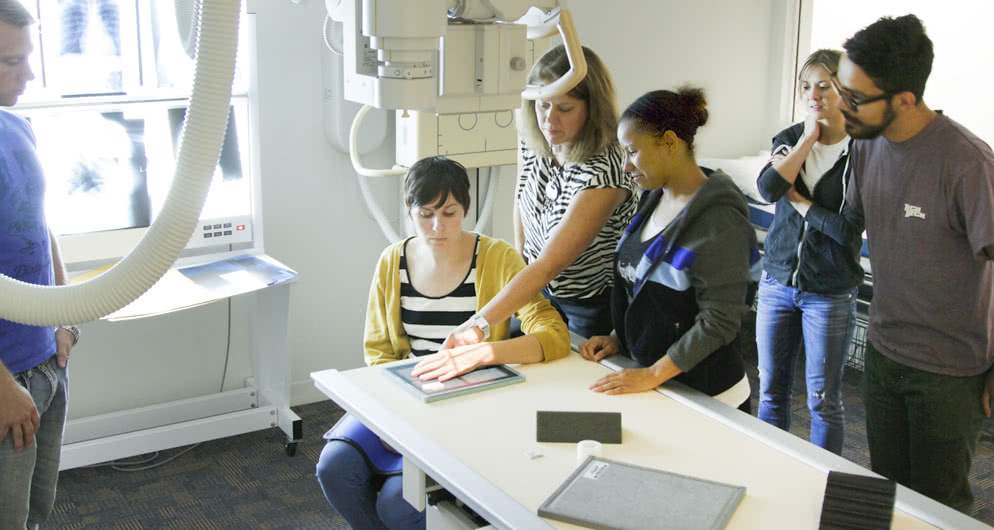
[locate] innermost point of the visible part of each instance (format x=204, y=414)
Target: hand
x=464, y=335
x=800, y=203
x=63, y=345
x=599, y=347
x=17, y=414
x=812, y=129
x=453, y=362
x=628, y=381
x=988, y=393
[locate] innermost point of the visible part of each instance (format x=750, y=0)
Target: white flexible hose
x=374, y=209
x=329, y=22
x=488, y=202
x=396, y=171
x=200, y=145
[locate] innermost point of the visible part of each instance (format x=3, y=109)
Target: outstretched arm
x=546, y=336
x=583, y=221
x=453, y=362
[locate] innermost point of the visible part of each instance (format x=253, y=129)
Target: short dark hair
x=13, y=13
x=433, y=179
x=895, y=53
x=682, y=112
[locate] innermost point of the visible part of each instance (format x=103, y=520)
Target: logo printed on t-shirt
x=911, y=210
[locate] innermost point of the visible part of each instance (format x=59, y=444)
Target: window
x=112, y=86
x=961, y=75
x=123, y=48
x=110, y=167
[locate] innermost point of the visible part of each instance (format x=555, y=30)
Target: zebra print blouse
x=545, y=192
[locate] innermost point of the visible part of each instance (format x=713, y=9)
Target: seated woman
x=422, y=287
x=683, y=267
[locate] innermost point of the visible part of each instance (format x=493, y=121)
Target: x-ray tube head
x=404, y=36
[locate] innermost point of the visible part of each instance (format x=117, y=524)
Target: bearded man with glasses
x=924, y=186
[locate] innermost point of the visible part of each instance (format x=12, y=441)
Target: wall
x=315, y=222
x=960, y=75
x=736, y=51
x=729, y=48
x=314, y=218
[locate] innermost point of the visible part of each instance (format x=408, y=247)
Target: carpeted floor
x=247, y=481
x=855, y=448
x=240, y=482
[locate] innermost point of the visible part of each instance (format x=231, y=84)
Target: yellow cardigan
x=496, y=263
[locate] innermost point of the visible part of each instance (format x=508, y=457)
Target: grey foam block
x=571, y=427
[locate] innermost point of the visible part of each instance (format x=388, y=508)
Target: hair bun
x=693, y=98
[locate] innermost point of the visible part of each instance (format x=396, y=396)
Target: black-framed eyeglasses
x=852, y=101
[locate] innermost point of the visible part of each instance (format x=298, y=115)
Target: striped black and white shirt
x=545, y=192
x=427, y=320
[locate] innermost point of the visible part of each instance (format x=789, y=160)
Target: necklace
x=552, y=186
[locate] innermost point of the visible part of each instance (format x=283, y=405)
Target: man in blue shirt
x=33, y=382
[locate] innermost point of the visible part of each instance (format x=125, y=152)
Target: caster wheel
x=290, y=448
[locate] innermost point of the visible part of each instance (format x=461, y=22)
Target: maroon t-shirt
x=928, y=203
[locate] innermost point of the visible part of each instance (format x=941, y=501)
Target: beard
x=861, y=130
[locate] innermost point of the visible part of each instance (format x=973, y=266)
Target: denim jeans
x=365, y=499
x=923, y=428
x=786, y=320
x=586, y=317
x=28, y=477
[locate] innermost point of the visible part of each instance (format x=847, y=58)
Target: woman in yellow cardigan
x=423, y=287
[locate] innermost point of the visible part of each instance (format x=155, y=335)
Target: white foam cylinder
x=585, y=448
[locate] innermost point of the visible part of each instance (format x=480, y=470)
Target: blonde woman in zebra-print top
x=572, y=204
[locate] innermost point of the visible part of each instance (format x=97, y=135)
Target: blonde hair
x=825, y=58
x=596, y=90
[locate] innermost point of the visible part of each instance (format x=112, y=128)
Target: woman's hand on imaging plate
x=452, y=362
x=599, y=347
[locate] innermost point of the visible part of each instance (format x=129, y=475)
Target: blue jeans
x=586, y=317
x=364, y=498
x=786, y=319
x=28, y=477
